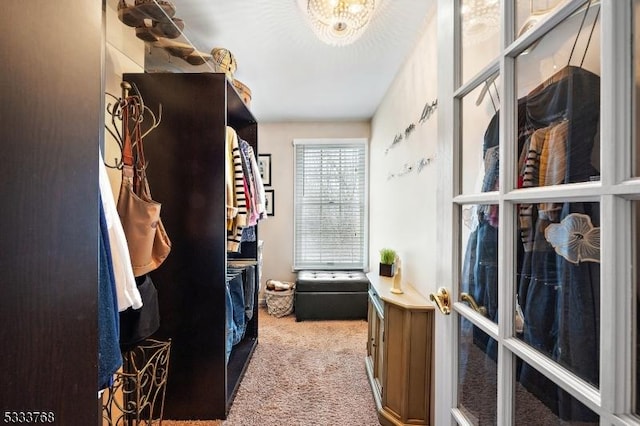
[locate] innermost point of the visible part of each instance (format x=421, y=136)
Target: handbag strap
x=140, y=178
x=133, y=161
x=127, y=149
x=140, y=182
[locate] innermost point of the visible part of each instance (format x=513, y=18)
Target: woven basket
x=244, y=92
x=279, y=303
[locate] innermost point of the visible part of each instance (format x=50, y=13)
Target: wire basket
x=137, y=394
x=279, y=303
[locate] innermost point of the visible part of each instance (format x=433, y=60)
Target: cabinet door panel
x=393, y=397
x=419, y=356
x=379, y=365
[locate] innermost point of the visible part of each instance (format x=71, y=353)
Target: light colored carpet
x=303, y=374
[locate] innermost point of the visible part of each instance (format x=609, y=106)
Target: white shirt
x=126, y=288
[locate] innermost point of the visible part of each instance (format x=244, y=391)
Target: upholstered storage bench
x=327, y=295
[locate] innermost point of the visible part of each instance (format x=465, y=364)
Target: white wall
x=402, y=208
x=124, y=54
x=277, y=231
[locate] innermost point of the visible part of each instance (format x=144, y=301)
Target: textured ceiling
x=292, y=75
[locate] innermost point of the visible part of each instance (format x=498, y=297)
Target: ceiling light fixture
x=339, y=22
x=480, y=20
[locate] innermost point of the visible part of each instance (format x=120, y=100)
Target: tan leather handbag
x=148, y=242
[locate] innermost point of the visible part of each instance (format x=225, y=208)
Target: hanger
x=135, y=102
x=485, y=89
x=575, y=42
x=137, y=98
x=593, y=26
x=565, y=71
x=539, y=15
x=155, y=120
x=115, y=111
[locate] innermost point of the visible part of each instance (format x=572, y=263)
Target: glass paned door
x=544, y=198
x=478, y=378
x=556, y=407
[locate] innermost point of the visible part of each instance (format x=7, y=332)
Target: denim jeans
x=480, y=278
x=235, y=316
x=231, y=326
x=249, y=291
x=236, y=290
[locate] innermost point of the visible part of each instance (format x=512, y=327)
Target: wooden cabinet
x=399, y=359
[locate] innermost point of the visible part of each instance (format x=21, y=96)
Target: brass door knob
x=466, y=297
x=442, y=300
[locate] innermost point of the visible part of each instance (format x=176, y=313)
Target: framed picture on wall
x=270, y=202
x=264, y=164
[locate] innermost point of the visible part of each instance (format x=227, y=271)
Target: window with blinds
x=330, y=198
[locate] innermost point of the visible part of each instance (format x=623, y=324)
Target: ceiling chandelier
x=339, y=22
x=480, y=20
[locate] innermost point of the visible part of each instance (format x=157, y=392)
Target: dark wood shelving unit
x=186, y=155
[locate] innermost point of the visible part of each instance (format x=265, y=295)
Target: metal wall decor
x=418, y=166
x=427, y=112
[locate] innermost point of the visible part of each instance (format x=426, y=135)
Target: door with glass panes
x=540, y=212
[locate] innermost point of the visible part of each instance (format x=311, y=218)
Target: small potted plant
x=387, y=262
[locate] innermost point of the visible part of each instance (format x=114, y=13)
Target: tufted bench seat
x=325, y=295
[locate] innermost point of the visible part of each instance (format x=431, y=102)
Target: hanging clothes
x=560, y=294
x=239, y=301
x=246, y=199
x=248, y=181
x=558, y=287
x=248, y=232
x=257, y=198
x=236, y=193
x=480, y=265
x=230, y=194
x=230, y=324
x=261, y=199
x=109, y=356
x=126, y=289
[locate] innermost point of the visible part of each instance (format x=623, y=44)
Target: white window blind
x=330, y=222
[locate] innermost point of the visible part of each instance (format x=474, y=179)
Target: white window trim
x=335, y=141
